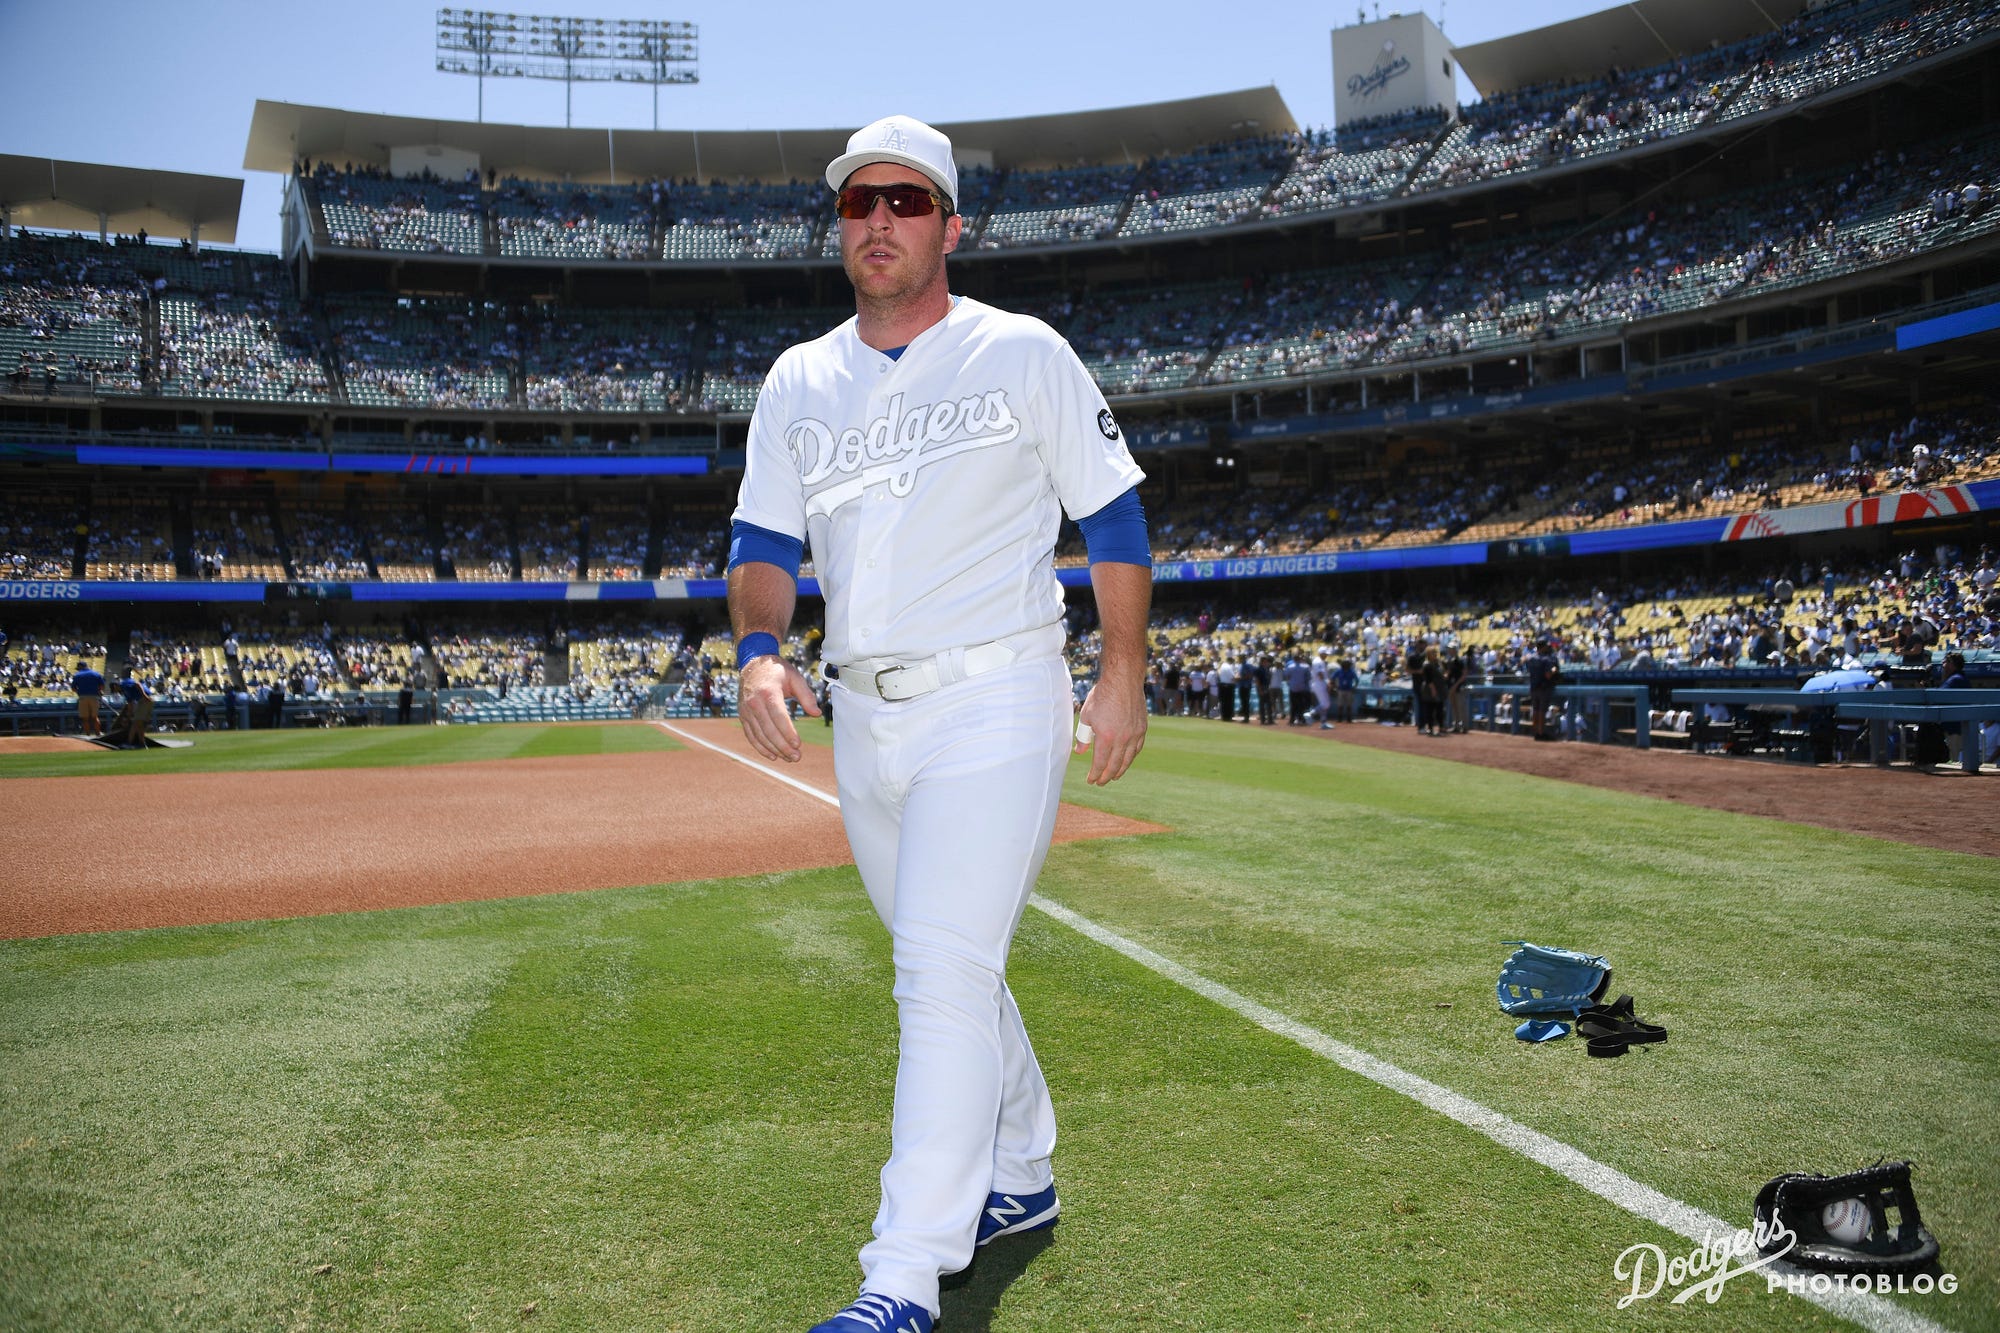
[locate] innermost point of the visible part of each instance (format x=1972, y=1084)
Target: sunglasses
x=856, y=202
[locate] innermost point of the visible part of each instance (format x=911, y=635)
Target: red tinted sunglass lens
x=856, y=202
x=910, y=201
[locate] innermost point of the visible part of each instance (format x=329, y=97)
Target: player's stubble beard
x=918, y=270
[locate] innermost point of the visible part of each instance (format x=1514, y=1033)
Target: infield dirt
x=199, y=848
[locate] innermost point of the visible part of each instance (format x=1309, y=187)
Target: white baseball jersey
x=928, y=485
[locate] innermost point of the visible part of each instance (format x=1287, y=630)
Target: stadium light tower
x=529, y=46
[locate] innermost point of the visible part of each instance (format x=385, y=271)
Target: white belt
x=895, y=681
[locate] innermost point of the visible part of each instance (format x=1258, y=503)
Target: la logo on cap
x=893, y=140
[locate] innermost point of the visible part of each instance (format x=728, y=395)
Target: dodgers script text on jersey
x=932, y=494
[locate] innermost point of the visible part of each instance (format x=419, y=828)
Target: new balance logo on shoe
x=1015, y=1214
x=1006, y=1210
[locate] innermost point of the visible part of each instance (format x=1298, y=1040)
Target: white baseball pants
x=950, y=801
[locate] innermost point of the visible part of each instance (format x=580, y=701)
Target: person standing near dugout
x=928, y=449
x=1544, y=669
x=88, y=682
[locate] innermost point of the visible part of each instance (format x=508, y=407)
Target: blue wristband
x=755, y=645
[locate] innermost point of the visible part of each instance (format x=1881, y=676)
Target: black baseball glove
x=1894, y=1241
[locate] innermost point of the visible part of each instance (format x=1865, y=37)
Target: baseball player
x=1322, y=695
x=927, y=449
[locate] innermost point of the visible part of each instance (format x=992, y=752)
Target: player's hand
x=761, y=692
x=1115, y=712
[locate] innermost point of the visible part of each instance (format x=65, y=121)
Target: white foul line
x=1642, y=1201
x=809, y=790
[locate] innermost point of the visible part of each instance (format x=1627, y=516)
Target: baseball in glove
x=1539, y=980
x=1831, y=1237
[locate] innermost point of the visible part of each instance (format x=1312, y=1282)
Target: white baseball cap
x=899, y=139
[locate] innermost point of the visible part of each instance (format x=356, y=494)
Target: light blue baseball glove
x=1541, y=980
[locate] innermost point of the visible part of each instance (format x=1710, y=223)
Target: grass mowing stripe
x=1642, y=1201
x=1871, y=1312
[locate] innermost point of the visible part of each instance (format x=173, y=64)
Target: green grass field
x=664, y=1107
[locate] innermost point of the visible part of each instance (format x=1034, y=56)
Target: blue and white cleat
x=1015, y=1214
x=879, y=1314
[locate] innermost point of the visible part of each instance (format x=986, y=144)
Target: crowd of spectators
x=646, y=220
x=1558, y=485
x=1519, y=130
x=476, y=548
x=131, y=537
x=495, y=657
x=399, y=541
x=380, y=655
x=694, y=545
x=550, y=545
x=1797, y=620
x=368, y=208
x=622, y=661
x=591, y=360
x=1420, y=309
x=39, y=664
x=1790, y=618
x=1157, y=338
x=722, y=220
x=1365, y=134
x=235, y=541
x=616, y=536
x=427, y=353
x=259, y=659
x=323, y=543
x=572, y=221
x=260, y=342
x=1568, y=486
x=38, y=532
x=1325, y=176
x=1209, y=187
x=1417, y=308
x=1843, y=43
x=253, y=344
x=1540, y=125
x=71, y=314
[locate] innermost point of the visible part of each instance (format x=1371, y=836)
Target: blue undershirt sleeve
x=1117, y=532
x=748, y=543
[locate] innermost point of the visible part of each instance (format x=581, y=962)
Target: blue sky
x=172, y=85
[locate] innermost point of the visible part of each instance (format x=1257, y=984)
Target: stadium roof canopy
x=283, y=132
x=78, y=196
x=1632, y=36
